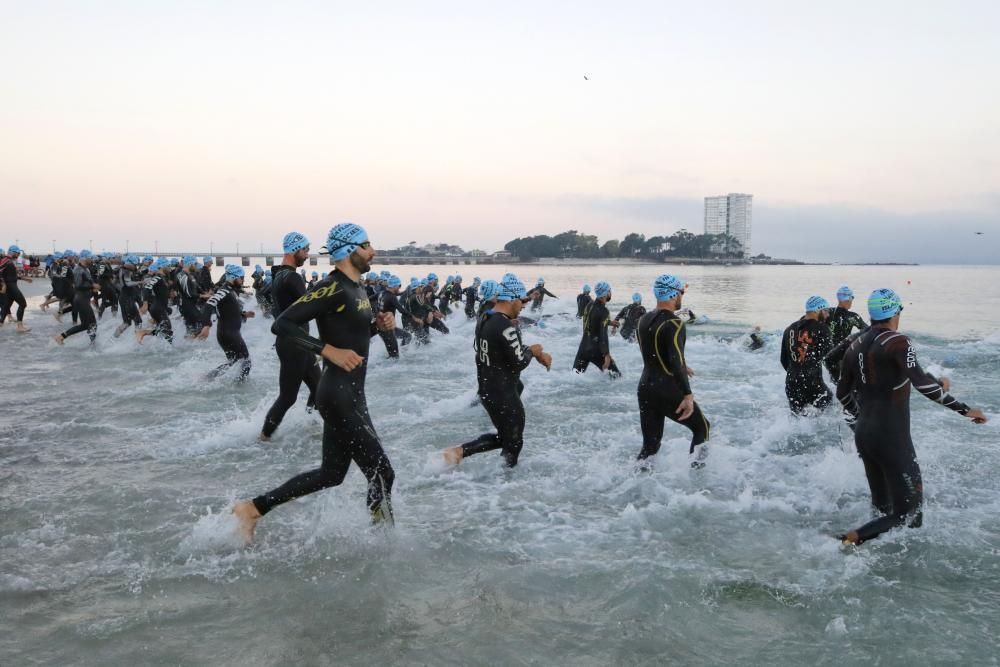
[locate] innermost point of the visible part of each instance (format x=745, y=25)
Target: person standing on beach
x=876, y=375
x=345, y=325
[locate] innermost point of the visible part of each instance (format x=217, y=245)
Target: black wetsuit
x=876, y=375
x=664, y=382
x=344, y=320
x=470, y=294
x=500, y=358
x=387, y=302
x=629, y=317
x=594, y=343
x=8, y=273
x=297, y=365
x=205, y=283
x=582, y=301
x=538, y=294
x=83, y=286
x=107, y=278
x=129, y=284
x=190, y=296
x=842, y=322
x=227, y=304
x=156, y=291
x=803, y=346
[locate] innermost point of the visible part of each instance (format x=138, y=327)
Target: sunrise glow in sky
x=866, y=131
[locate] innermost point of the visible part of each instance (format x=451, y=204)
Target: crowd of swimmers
x=872, y=364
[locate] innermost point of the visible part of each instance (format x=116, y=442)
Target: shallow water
x=119, y=464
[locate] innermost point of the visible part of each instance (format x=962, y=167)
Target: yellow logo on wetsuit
x=320, y=293
x=364, y=304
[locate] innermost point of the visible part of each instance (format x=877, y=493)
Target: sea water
x=119, y=463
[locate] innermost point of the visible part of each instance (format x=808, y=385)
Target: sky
x=865, y=131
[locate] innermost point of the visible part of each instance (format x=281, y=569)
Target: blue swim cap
x=602, y=289
x=257, y=268
x=511, y=288
x=476, y=281
x=414, y=282
x=450, y=279
x=845, y=293
x=324, y=275
x=815, y=304
x=393, y=282
x=2, y=252
x=293, y=242
x=540, y=282
x=489, y=290
x=432, y=276
x=344, y=239
x=637, y=297
x=234, y=271
x=86, y=254
x=57, y=255
x=207, y=260
x=131, y=259
x=315, y=275
x=190, y=259
x=667, y=286
x=586, y=289
x=458, y=279
x=13, y=248
x=267, y=279
x=884, y=304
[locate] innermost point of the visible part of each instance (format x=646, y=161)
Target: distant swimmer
x=297, y=366
x=345, y=326
x=876, y=375
x=842, y=322
x=628, y=318
x=228, y=306
x=84, y=289
x=8, y=286
x=756, y=340
x=594, y=347
x=803, y=346
x=664, y=389
x=538, y=294
x=688, y=315
x=583, y=299
x=501, y=355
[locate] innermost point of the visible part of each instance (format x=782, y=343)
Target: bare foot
x=58, y=338
x=140, y=334
x=264, y=438
x=453, y=456
x=850, y=537
x=22, y=329
x=247, y=516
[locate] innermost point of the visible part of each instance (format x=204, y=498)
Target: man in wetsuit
x=84, y=288
x=227, y=304
x=500, y=357
x=664, y=390
x=129, y=284
x=205, y=282
x=11, y=292
x=387, y=302
x=538, y=294
x=842, y=322
x=594, y=347
x=628, y=318
x=190, y=295
x=313, y=279
x=469, y=294
x=488, y=292
x=156, y=294
x=297, y=365
x=876, y=375
x=345, y=325
x=803, y=345
x=583, y=300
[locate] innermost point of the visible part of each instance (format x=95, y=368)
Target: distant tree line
x=584, y=246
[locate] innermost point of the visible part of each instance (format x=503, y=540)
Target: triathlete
x=842, y=322
x=876, y=375
x=129, y=284
x=156, y=293
x=664, y=389
x=227, y=304
x=803, y=345
x=500, y=357
x=297, y=365
x=469, y=294
x=628, y=318
x=388, y=302
x=538, y=294
x=84, y=288
x=594, y=347
x=190, y=295
x=344, y=320
x=583, y=299
x=12, y=293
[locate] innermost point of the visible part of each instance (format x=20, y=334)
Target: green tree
x=611, y=249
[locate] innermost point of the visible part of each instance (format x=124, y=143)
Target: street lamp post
x=126, y=246
x=156, y=247
x=91, y=243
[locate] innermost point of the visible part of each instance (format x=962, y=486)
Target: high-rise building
x=730, y=214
